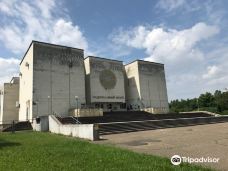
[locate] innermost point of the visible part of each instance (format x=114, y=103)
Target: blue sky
x=189, y=36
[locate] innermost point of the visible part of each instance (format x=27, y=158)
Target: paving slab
x=193, y=141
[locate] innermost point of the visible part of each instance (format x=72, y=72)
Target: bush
x=225, y=112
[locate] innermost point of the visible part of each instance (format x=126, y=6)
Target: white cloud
x=41, y=20
x=212, y=71
x=66, y=33
x=133, y=38
x=186, y=63
x=46, y=7
x=170, y=5
x=9, y=68
x=167, y=45
x=5, y=6
x=37, y=20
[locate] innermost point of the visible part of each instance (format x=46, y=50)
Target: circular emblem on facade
x=107, y=79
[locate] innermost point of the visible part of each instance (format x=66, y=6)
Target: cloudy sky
x=189, y=36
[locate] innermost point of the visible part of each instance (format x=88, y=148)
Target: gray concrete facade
x=105, y=83
x=145, y=86
x=51, y=76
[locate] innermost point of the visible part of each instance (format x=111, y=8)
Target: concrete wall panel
x=56, y=76
x=9, y=97
x=146, y=85
x=105, y=79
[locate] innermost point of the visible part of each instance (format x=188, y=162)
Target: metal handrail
x=76, y=120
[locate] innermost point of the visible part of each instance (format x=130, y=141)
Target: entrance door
x=109, y=106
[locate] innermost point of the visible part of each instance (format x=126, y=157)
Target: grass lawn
x=29, y=150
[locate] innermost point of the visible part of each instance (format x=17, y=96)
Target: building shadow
x=4, y=143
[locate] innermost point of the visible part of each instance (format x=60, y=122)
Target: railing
x=64, y=119
x=8, y=122
x=76, y=120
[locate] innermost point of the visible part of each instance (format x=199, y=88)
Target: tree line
x=217, y=103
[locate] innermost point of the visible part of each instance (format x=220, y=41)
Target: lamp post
x=37, y=108
x=76, y=98
x=48, y=105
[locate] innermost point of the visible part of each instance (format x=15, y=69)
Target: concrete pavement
x=194, y=141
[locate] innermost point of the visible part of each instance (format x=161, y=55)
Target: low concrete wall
x=54, y=124
x=155, y=110
x=87, y=112
x=40, y=124
x=86, y=131
x=35, y=125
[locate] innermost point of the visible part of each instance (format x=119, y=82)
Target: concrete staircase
x=19, y=126
x=132, y=126
x=130, y=121
x=136, y=116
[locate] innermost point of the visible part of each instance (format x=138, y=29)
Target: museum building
x=56, y=79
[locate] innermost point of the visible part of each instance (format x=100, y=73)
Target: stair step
x=26, y=125
x=113, y=128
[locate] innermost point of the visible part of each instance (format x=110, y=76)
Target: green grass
x=44, y=151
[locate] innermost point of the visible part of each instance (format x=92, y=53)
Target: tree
x=223, y=101
x=206, y=100
x=217, y=96
x=217, y=102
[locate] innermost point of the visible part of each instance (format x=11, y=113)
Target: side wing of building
x=9, y=98
x=153, y=86
x=146, y=87
x=59, y=76
x=132, y=86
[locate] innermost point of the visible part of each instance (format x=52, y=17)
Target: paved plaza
x=194, y=141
